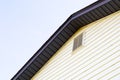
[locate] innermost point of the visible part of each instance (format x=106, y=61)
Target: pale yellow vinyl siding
x=97, y=59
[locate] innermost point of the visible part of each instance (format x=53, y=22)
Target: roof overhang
x=77, y=20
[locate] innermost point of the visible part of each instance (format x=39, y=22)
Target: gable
x=77, y=20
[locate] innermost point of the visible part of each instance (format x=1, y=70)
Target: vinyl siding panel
x=97, y=59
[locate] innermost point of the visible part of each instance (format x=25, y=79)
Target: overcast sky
x=26, y=24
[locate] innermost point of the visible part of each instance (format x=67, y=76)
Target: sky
x=25, y=25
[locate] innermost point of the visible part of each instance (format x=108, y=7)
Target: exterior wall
x=97, y=59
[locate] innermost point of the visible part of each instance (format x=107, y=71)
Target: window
x=78, y=41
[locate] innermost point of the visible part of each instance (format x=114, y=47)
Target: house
x=85, y=47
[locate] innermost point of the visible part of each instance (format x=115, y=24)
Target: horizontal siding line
x=101, y=36
x=98, y=27
x=103, y=29
x=110, y=65
x=110, y=72
x=111, y=78
x=113, y=67
x=98, y=68
x=90, y=33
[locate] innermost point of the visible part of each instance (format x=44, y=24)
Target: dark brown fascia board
x=77, y=20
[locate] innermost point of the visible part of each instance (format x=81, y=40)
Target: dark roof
x=77, y=20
